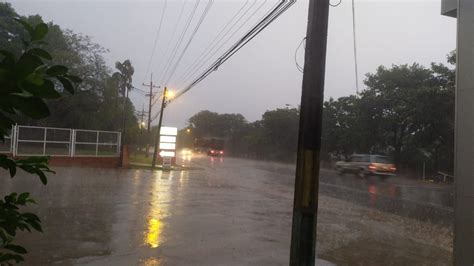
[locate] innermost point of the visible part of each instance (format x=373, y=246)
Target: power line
x=211, y=47
x=178, y=43
x=300, y=68
x=209, y=57
x=260, y=26
x=355, y=48
x=156, y=39
x=335, y=5
x=198, y=59
x=196, y=28
x=171, y=39
x=275, y=13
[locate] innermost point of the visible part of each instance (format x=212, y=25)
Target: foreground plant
x=26, y=82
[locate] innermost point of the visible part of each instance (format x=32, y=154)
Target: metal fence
x=37, y=141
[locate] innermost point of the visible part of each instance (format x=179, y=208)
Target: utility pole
x=305, y=206
x=151, y=95
x=463, y=250
x=157, y=138
x=141, y=123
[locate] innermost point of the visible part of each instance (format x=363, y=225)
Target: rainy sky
x=262, y=75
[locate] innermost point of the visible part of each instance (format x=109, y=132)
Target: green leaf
x=27, y=64
x=36, y=226
x=22, y=198
x=33, y=107
x=26, y=25
x=74, y=79
x=66, y=84
x=42, y=177
x=41, y=53
x=35, y=159
x=46, y=90
x=57, y=70
x=39, y=32
x=16, y=248
x=35, y=78
x=8, y=257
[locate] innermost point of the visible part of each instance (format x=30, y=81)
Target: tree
x=97, y=103
x=124, y=82
x=25, y=82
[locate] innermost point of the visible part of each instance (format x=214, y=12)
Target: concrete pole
x=305, y=206
x=464, y=137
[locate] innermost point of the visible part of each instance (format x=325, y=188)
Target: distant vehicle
x=210, y=146
x=186, y=152
x=367, y=165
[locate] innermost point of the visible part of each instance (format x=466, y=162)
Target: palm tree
x=124, y=82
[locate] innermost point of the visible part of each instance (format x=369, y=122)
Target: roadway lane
x=226, y=212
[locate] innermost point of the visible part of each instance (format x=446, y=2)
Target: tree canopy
x=98, y=102
x=405, y=111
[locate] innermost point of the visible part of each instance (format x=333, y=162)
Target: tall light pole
x=157, y=137
x=305, y=206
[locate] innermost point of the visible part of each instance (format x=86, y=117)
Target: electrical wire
x=156, y=40
x=210, y=57
x=355, y=48
x=205, y=51
x=275, y=13
x=300, y=68
x=212, y=51
x=252, y=33
x=193, y=34
x=180, y=40
x=335, y=5
x=161, y=64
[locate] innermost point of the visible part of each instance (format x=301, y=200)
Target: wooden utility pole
x=151, y=95
x=305, y=206
x=157, y=138
x=464, y=130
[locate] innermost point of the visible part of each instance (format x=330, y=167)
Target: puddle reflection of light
x=152, y=262
x=159, y=206
x=153, y=235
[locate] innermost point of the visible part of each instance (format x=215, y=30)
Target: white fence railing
x=38, y=141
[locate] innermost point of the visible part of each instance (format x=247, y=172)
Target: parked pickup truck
x=367, y=164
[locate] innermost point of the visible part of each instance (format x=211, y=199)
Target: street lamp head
x=169, y=94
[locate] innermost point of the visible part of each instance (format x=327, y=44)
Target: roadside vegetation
x=405, y=111
x=28, y=78
x=99, y=101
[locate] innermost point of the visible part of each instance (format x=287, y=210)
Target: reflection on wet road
x=227, y=212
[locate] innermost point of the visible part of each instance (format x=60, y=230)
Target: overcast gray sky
x=262, y=75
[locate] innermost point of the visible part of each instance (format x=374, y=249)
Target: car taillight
x=221, y=152
x=212, y=151
x=393, y=168
x=372, y=167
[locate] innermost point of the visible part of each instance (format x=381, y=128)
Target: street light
x=188, y=130
x=169, y=94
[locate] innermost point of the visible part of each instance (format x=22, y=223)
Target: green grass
x=140, y=158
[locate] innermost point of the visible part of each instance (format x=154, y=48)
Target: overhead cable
x=156, y=39
x=275, y=13
x=193, y=34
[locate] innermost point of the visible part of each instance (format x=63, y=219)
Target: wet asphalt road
x=228, y=212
